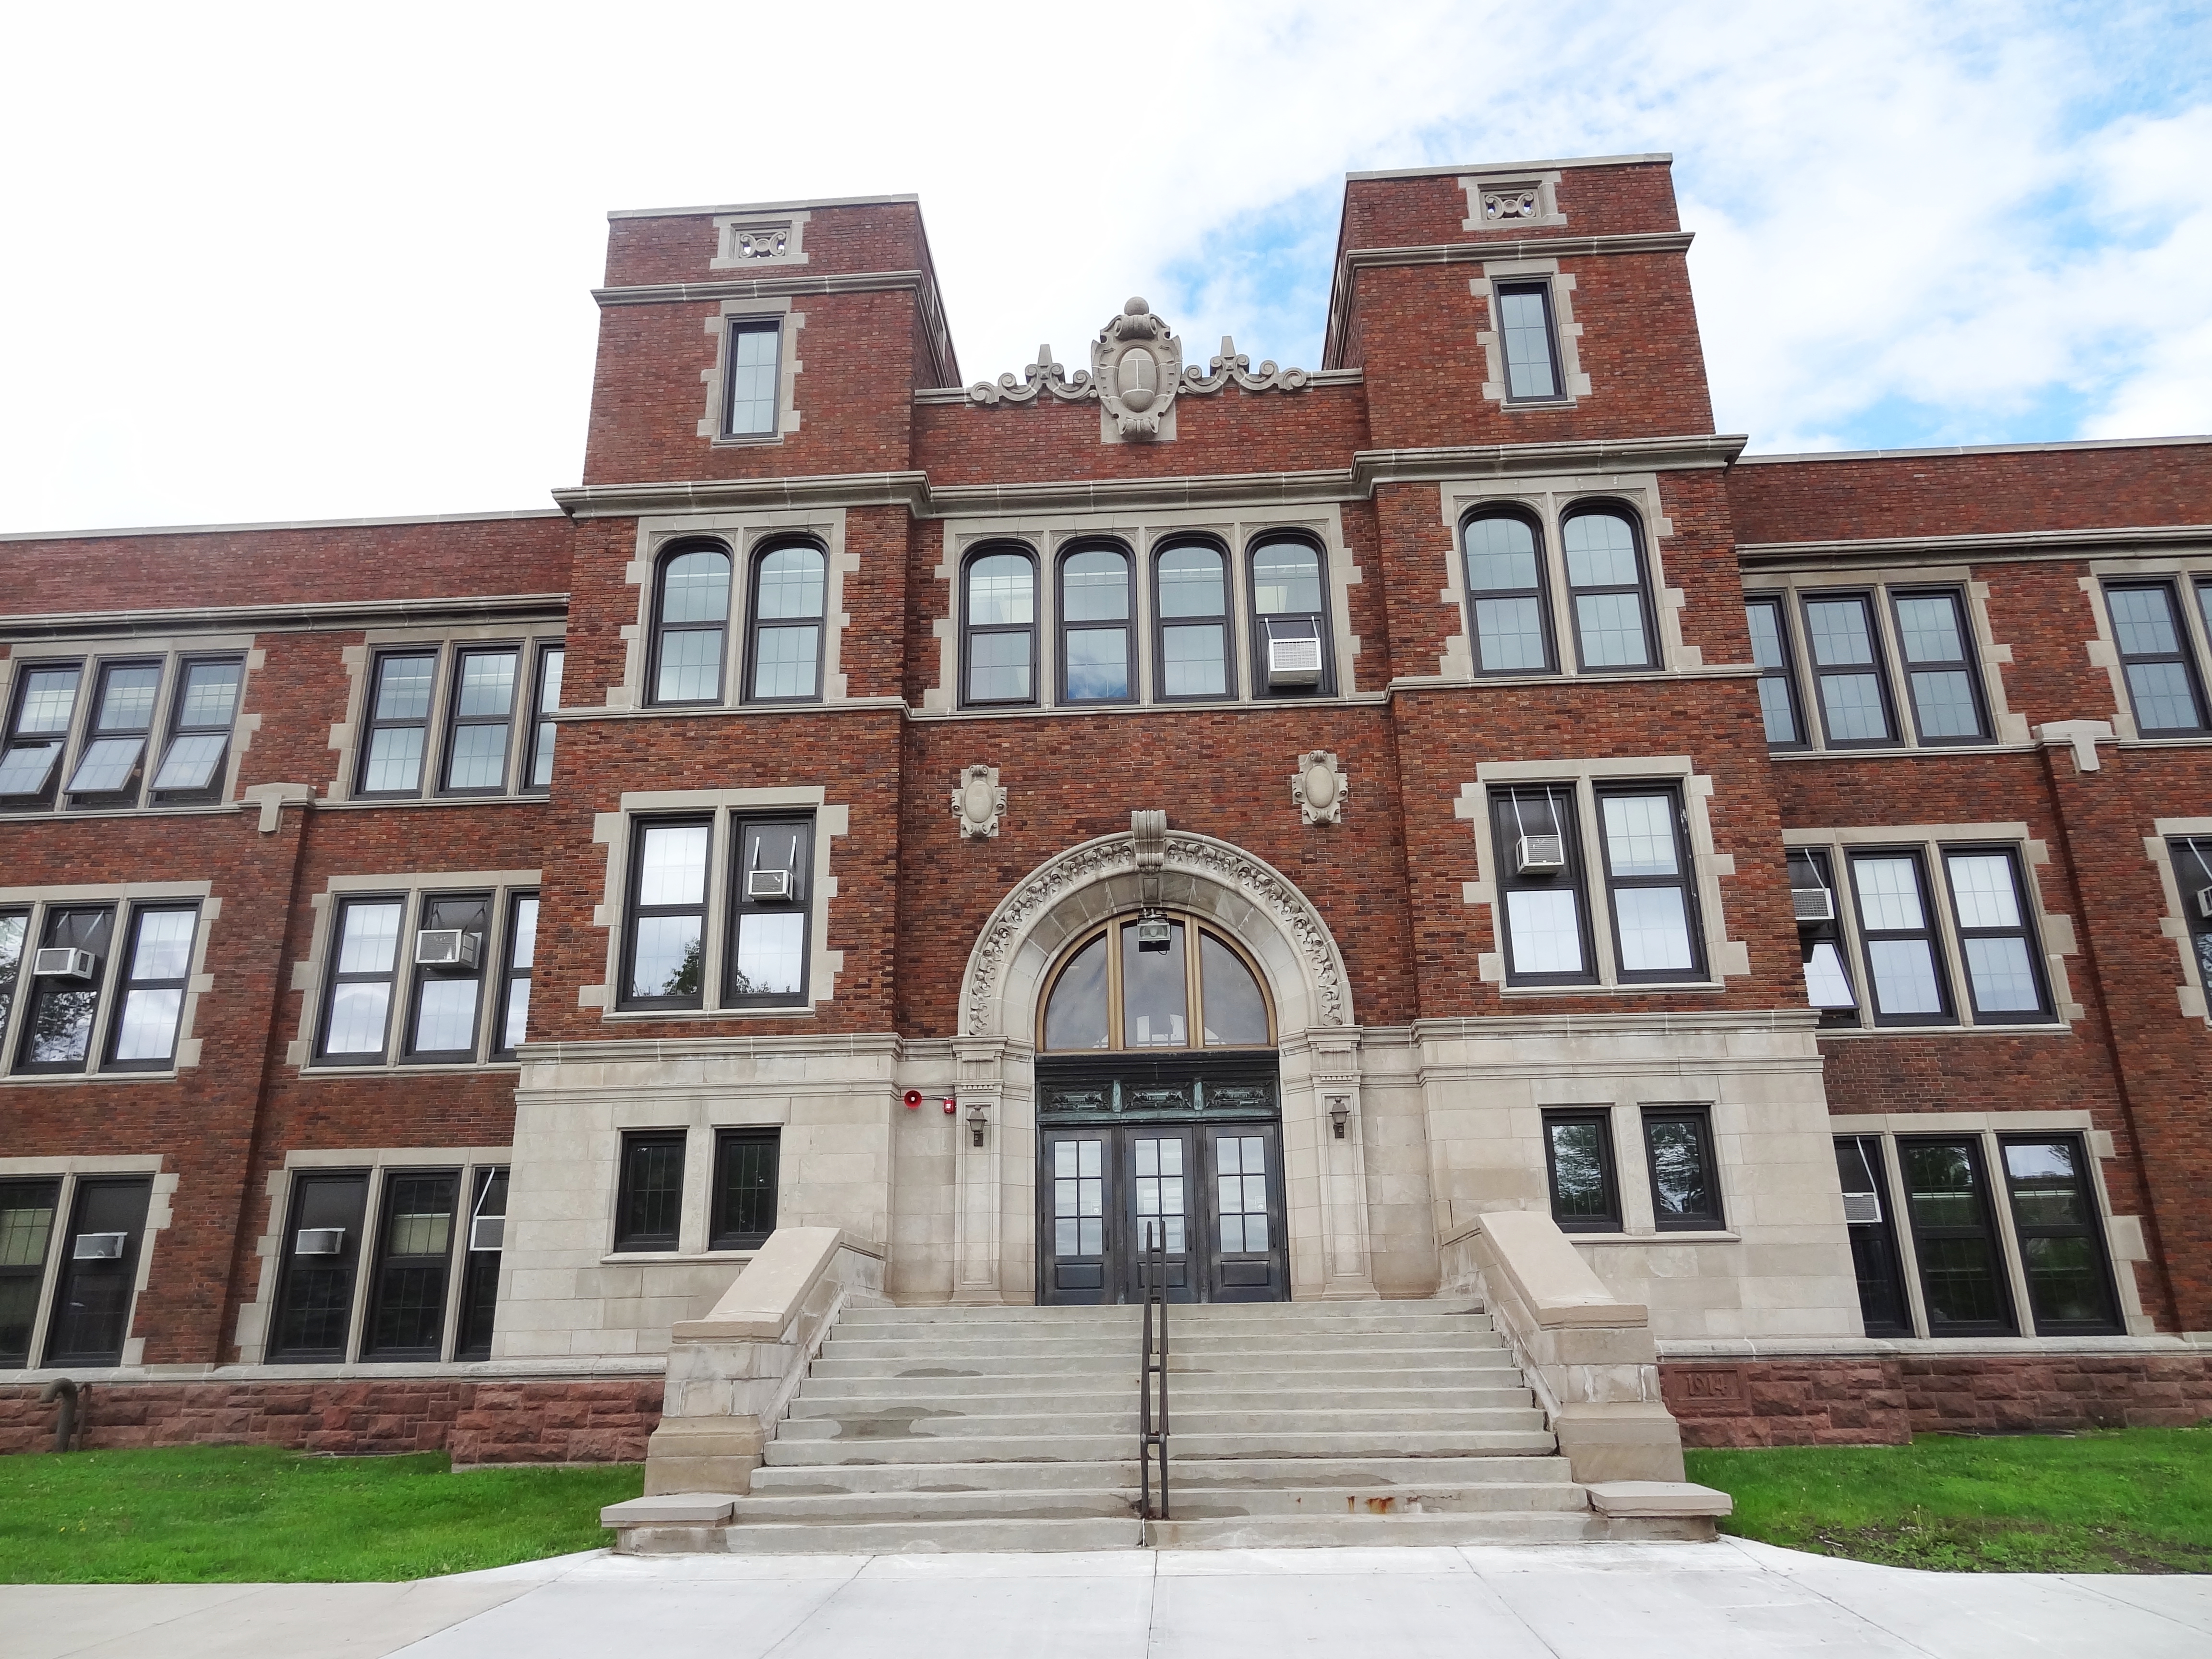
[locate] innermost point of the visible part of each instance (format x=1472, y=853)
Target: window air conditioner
x=768, y=884
x=61, y=961
x=2204, y=905
x=98, y=1247
x=487, y=1232
x=318, y=1241
x=1292, y=658
x=1861, y=1207
x=1813, y=903
x=1539, y=855
x=445, y=947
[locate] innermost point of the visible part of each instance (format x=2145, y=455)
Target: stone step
x=1361, y=1531
x=858, y=1426
x=1478, y=1497
x=1123, y=1362
x=1181, y=1383
x=1214, y=1393
x=1195, y=1475
x=1105, y=1503
x=884, y=1537
x=1091, y=1446
x=1279, y=1316
x=1349, y=1347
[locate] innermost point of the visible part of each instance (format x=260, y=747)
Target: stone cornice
x=758, y=288
x=1909, y=549
x=1517, y=248
x=829, y=490
x=1371, y=467
x=264, y=618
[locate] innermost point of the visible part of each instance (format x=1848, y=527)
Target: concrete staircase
x=924, y=1429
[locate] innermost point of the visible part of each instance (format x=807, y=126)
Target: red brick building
x=1314, y=808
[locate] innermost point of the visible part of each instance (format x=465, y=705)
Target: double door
x=1211, y=1193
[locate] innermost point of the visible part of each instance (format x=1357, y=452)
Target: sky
x=291, y=262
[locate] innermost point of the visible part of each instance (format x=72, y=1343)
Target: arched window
x=787, y=625
x=1094, y=626
x=1505, y=596
x=689, y=621
x=1290, y=622
x=1001, y=629
x=1605, y=575
x=1120, y=989
x=1191, y=583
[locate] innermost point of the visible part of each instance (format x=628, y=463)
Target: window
x=482, y=722
x=1538, y=854
x=2003, y=980
x=1605, y=578
x=359, y=1005
x=414, y=1256
x=2154, y=660
x=452, y=950
x=14, y=925
x=787, y=625
x=156, y=970
x=1821, y=936
x=1778, y=689
x=521, y=954
x=1001, y=635
x=744, y=1207
x=1578, y=1164
x=694, y=615
x=767, y=965
x=46, y=702
x=1291, y=650
x=399, y=723
x=1962, y=1272
x=1531, y=353
x=2192, y=874
x=2061, y=1247
x=1193, y=586
x=28, y=1210
x=543, y=731
x=62, y=986
x=191, y=772
x=487, y=1236
x=322, y=1253
x=668, y=915
x=1847, y=672
x=1647, y=874
x=1686, y=1177
x=113, y=764
x=1135, y=985
x=1939, y=668
x=98, y=1271
x=649, y=1199
x=749, y=398
x=1095, y=662
x=1505, y=595
x=1860, y=1170
x=1897, y=930
x=64, y=998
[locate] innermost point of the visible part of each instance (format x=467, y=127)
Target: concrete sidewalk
x=1552, y=1601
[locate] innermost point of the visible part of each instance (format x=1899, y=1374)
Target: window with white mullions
x=1158, y=1188
x=1939, y=667
x=156, y=969
x=521, y=954
x=1078, y=1198
x=1192, y=587
x=2155, y=658
x=1546, y=929
x=359, y=1010
x=1291, y=650
x=1095, y=660
x=1897, y=928
x=1530, y=342
x=113, y=764
x=482, y=722
x=1777, y=685
x=2004, y=982
x=767, y=954
x=46, y=702
x=67, y=973
x=452, y=941
x=1240, y=1173
x=191, y=772
x=786, y=624
x=1847, y=672
x=1647, y=876
x=1605, y=579
x=749, y=369
x=667, y=915
x=545, y=732
x=1820, y=937
x=692, y=621
x=399, y=723
x=1001, y=629
x=1505, y=596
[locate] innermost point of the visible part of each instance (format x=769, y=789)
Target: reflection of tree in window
x=62, y=1009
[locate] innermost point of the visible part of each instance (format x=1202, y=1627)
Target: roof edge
x=1483, y=167
x=278, y=523
x=1974, y=449
x=760, y=207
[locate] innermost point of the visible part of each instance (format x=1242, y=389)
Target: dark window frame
x=1541, y=593
x=1565, y=811
x=1608, y=1169
x=1968, y=665
x=741, y=904
x=770, y=323
x=970, y=628
x=1063, y=625
x=1880, y=1253
x=2000, y=1263
x=420, y=974
x=2028, y=933
x=13, y=976
x=90, y=732
x=1784, y=674
x=1225, y=620
x=1540, y=287
x=391, y=1180
x=1931, y=929
x=2192, y=872
x=85, y=1193
x=1709, y=1154
x=214, y=791
x=101, y=985
x=544, y=734
x=479, y=1299
x=633, y=912
x=627, y=1238
x=1868, y=598
x=2092, y=1229
x=505, y=1047
x=1323, y=620
x=1685, y=878
x=371, y=725
x=1822, y=861
x=125, y=960
x=1609, y=508
x=520, y=695
x=2185, y=654
x=754, y=622
x=19, y=695
x=348, y=1261
x=722, y=1232
x=662, y=628
x=33, y=1274
x=334, y=976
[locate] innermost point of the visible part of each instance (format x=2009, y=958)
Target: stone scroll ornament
x=977, y=802
x=1319, y=787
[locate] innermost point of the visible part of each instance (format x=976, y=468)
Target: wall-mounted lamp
x=1340, y=1109
x=975, y=1121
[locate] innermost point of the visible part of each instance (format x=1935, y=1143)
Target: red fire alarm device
x=914, y=1100
x=949, y=1107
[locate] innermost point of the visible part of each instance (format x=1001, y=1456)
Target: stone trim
x=1500, y=169
x=753, y=209
x=159, y=1213
x=125, y=897
x=2058, y=445
x=745, y=241
x=1528, y=198
x=280, y=618
x=2190, y=994
x=2183, y=572
x=345, y=736
x=788, y=368
x=1566, y=333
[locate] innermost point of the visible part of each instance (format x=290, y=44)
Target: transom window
x=1137, y=984
x=141, y=731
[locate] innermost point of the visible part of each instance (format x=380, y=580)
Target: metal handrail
x=1153, y=1276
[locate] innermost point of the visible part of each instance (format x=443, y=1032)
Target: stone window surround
x=1567, y=333
x=2124, y=1234
x=731, y=228
x=1632, y=1165
x=125, y=897
x=1548, y=500
x=253, y=1330
x=158, y=1215
x=1545, y=184
x=1793, y=587
x=2184, y=574
x=172, y=648
x=699, y=1119
x=345, y=736
x=2190, y=993
x=742, y=534
x=1725, y=958
x=616, y=832
x=788, y=370
x=2054, y=932
x=1141, y=533
x=310, y=974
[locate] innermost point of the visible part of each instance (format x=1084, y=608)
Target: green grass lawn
x=2122, y=1500
x=254, y=1514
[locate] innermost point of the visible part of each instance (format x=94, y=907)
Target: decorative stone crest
x=767, y=243
x=1136, y=363
x=977, y=803
x=1518, y=203
x=1319, y=787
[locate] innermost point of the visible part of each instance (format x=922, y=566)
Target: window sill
x=1902, y=750
x=377, y=802
x=745, y=440
x=446, y=1068
x=634, y=1016
x=1667, y=988
x=73, y=814
x=672, y=1258
x=1534, y=405
x=2040, y=1028
x=1685, y=1235
x=48, y=1080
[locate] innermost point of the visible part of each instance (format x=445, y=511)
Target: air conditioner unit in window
x=1293, y=660
x=768, y=884
x=1539, y=855
x=1860, y=1207
x=98, y=1247
x=487, y=1232
x=2204, y=905
x=318, y=1241
x=61, y=961
x=447, y=947
x=1813, y=903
